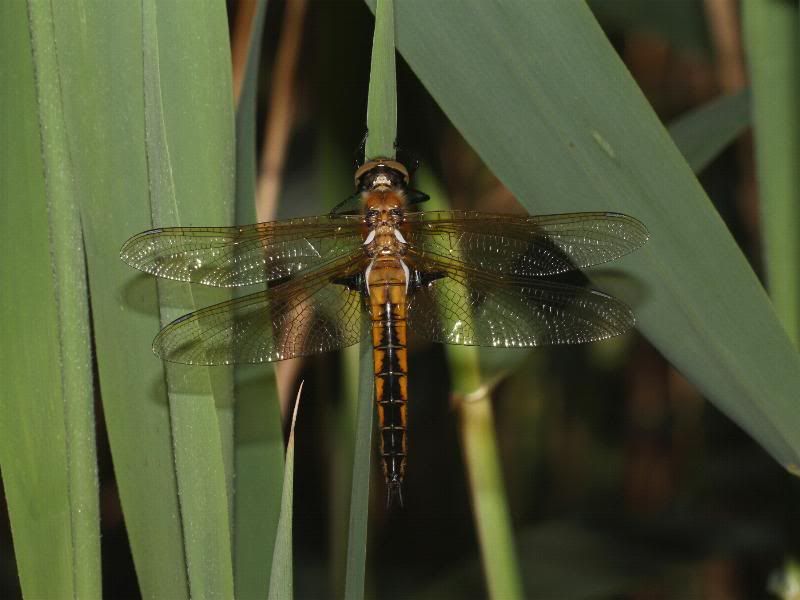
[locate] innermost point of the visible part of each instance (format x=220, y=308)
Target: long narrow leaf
x=192, y=391
x=47, y=444
x=281, y=582
x=382, y=101
x=100, y=57
x=355, y=570
x=550, y=108
x=101, y=54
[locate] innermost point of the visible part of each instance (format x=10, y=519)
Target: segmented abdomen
x=387, y=287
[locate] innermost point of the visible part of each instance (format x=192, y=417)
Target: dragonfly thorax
x=384, y=214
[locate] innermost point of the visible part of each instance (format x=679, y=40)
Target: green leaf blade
x=109, y=150
x=47, y=444
x=355, y=567
x=181, y=176
x=552, y=111
x=281, y=580
x=382, y=100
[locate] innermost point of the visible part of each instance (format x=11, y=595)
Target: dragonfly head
x=381, y=174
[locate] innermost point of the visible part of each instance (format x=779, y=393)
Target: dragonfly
x=376, y=268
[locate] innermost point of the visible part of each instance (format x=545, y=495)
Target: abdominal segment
x=387, y=299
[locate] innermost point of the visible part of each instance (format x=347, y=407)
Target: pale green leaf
x=47, y=442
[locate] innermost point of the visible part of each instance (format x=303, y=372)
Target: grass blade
x=553, y=112
x=706, y=131
x=71, y=296
x=103, y=42
x=47, y=444
x=771, y=41
x=196, y=430
x=359, y=496
x=382, y=101
x=281, y=576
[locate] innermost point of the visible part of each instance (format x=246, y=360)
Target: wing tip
x=132, y=248
x=637, y=226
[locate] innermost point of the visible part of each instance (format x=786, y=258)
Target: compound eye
x=372, y=215
x=396, y=213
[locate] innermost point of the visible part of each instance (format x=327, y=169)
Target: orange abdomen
x=387, y=300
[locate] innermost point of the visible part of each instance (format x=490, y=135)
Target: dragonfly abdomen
x=387, y=296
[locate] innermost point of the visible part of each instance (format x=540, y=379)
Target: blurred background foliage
x=622, y=480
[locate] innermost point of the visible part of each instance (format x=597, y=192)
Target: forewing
x=474, y=309
x=235, y=256
x=304, y=316
x=523, y=246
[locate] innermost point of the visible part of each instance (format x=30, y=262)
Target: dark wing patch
x=523, y=246
x=471, y=308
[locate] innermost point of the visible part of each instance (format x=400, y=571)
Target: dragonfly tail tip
x=394, y=494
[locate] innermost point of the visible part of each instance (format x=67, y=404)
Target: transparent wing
x=303, y=316
x=234, y=256
x=523, y=246
x=471, y=308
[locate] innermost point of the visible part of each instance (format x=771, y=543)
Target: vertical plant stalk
x=490, y=506
x=723, y=24
x=281, y=111
x=771, y=42
x=72, y=306
x=472, y=401
x=382, y=132
x=241, y=42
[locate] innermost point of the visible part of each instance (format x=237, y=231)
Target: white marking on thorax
x=367, y=272
x=406, y=271
x=399, y=236
x=370, y=238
